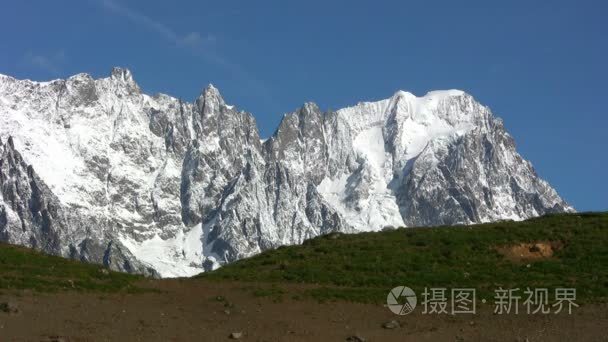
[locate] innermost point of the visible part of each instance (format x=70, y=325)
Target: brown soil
x=191, y=311
x=530, y=251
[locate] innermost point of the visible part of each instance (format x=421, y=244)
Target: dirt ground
x=523, y=252
x=192, y=311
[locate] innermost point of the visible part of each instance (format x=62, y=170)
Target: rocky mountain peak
x=402, y=94
x=210, y=100
x=123, y=77
x=310, y=107
x=122, y=74
x=210, y=91
x=155, y=184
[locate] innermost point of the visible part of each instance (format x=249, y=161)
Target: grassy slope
x=363, y=267
x=23, y=268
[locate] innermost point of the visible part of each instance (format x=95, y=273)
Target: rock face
x=32, y=216
x=96, y=170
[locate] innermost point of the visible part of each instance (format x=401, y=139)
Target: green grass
x=364, y=267
x=23, y=268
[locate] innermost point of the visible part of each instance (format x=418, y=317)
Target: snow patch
x=180, y=256
x=370, y=143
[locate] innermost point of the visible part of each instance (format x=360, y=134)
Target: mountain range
x=96, y=170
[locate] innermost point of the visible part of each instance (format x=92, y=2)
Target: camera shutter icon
x=401, y=300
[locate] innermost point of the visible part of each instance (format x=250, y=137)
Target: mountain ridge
x=183, y=187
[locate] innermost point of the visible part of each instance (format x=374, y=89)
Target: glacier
x=96, y=170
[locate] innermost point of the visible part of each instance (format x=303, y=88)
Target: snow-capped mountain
x=96, y=170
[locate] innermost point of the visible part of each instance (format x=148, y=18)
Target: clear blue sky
x=540, y=65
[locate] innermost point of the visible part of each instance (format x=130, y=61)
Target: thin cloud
x=194, y=40
x=141, y=19
x=49, y=63
x=197, y=44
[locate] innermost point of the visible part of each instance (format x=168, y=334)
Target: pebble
x=9, y=308
x=236, y=335
x=391, y=325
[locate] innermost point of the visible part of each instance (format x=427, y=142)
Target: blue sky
x=540, y=65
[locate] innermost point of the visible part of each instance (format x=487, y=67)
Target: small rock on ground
x=9, y=308
x=391, y=325
x=236, y=335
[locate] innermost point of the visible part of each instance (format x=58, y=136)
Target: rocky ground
x=205, y=310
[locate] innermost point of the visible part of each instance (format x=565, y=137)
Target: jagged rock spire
x=124, y=77
x=210, y=100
